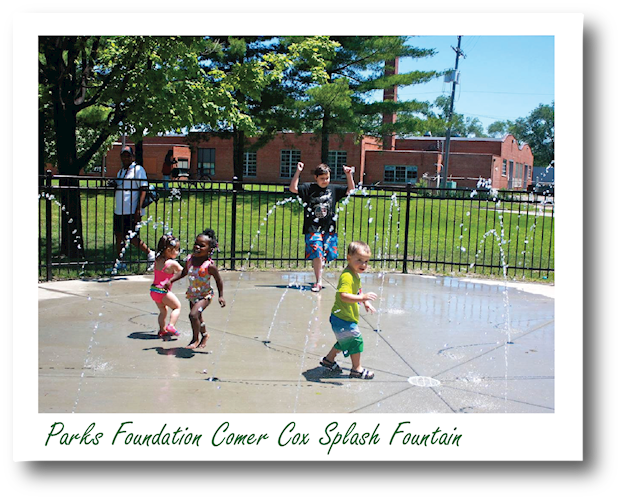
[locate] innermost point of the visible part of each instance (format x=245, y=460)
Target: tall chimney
x=390, y=94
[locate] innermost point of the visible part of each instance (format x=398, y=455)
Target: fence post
x=405, y=259
x=48, y=226
x=234, y=215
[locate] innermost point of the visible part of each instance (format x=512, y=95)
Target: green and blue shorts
x=349, y=338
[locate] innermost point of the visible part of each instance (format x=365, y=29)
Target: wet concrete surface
x=436, y=345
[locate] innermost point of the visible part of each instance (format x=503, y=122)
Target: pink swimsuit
x=160, y=279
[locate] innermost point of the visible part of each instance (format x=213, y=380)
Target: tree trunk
x=41, y=148
x=71, y=240
x=325, y=137
x=238, y=158
x=139, y=153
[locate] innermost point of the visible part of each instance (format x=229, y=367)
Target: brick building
x=154, y=152
x=504, y=161
x=508, y=164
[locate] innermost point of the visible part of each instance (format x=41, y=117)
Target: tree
x=66, y=68
x=461, y=126
x=93, y=88
x=347, y=101
x=499, y=128
x=253, y=67
x=537, y=130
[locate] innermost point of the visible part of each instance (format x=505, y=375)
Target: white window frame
x=250, y=164
x=289, y=162
x=336, y=161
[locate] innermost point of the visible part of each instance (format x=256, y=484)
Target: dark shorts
x=321, y=245
x=124, y=224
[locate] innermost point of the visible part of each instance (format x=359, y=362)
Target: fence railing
x=460, y=231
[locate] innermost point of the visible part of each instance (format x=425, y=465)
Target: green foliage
x=461, y=126
x=346, y=101
x=137, y=85
x=537, y=130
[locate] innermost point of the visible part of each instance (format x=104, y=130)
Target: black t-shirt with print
x=321, y=204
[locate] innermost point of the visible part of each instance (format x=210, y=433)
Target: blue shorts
x=321, y=245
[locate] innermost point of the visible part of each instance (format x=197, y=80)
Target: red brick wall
x=512, y=150
x=472, y=158
x=154, y=152
x=456, y=145
x=521, y=156
x=460, y=165
x=269, y=157
x=471, y=166
x=223, y=159
x=481, y=155
x=376, y=161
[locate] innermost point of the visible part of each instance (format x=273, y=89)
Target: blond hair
x=359, y=247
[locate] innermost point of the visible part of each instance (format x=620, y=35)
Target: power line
x=508, y=93
x=405, y=91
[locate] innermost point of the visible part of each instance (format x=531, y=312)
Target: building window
x=250, y=164
x=182, y=164
x=518, y=175
x=289, y=162
x=511, y=175
x=504, y=169
x=336, y=161
x=206, y=161
x=400, y=174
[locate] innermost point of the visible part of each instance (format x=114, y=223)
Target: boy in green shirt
x=344, y=316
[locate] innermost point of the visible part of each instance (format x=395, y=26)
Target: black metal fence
x=460, y=231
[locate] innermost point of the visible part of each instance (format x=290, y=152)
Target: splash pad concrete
x=436, y=344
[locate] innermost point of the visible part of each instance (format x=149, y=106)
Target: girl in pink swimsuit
x=165, y=268
x=200, y=268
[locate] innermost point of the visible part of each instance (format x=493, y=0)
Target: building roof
x=430, y=138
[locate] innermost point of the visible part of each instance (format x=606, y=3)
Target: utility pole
x=451, y=112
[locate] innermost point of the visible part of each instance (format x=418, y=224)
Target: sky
x=509, y=68
x=501, y=77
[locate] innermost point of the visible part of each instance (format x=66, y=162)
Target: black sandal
x=365, y=374
x=333, y=366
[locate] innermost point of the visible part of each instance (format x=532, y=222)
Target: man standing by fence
x=130, y=189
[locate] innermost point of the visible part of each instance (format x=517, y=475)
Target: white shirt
x=127, y=195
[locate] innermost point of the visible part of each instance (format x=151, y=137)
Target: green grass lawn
x=455, y=235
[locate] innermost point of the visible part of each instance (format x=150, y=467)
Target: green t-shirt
x=349, y=282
